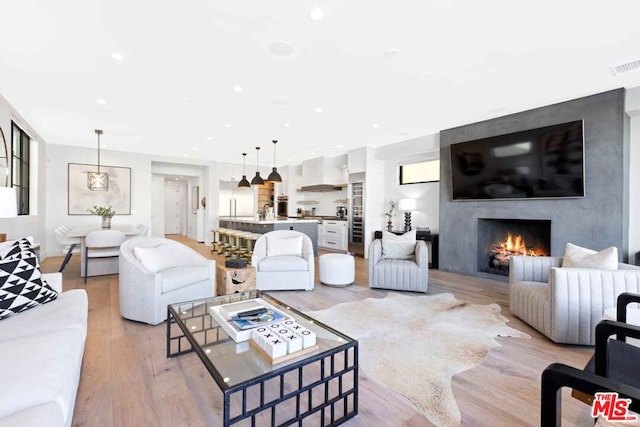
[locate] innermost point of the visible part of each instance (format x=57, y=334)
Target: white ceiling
x=410, y=67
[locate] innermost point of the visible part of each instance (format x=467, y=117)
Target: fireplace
x=500, y=238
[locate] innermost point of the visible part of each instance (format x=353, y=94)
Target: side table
x=233, y=280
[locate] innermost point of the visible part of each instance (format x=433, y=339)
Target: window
x=20, y=151
x=415, y=173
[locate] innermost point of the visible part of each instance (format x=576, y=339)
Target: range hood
x=320, y=188
x=323, y=174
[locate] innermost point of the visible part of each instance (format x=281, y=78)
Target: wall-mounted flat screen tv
x=545, y=162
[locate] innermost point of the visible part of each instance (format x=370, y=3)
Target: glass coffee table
x=314, y=389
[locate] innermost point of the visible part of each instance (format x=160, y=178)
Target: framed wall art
x=81, y=198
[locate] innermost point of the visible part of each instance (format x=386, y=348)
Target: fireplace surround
x=598, y=220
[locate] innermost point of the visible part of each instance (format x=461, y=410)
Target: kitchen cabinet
x=357, y=160
x=332, y=234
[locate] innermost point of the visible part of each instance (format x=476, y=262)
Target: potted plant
x=389, y=214
x=106, y=212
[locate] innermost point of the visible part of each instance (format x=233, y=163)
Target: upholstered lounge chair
x=566, y=304
x=399, y=274
x=284, y=260
x=156, y=272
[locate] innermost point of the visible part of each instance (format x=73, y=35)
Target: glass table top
x=232, y=363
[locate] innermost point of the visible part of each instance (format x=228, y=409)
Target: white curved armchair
x=566, y=304
x=156, y=272
x=284, y=260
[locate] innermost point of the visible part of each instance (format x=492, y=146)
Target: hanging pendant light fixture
x=98, y=181
x=257, y=180
x=244, y=182
x=274, y=176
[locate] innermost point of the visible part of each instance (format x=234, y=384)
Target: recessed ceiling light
x=289, y=160
x=281, y=48
x=209, y=138
x=280, y=101
x=319, y=110
x=312, y=153
x=185, y=155
x=237, y=89
x=195, y=148
x=228, y=125
x=375, y=125
x=391, y=53
x=286, y=125
x=117, y=56
x=316, y=14
x=340, y=145
x=101, y=101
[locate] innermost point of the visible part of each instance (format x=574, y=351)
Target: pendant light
x=274, y=176
x=257, y=180
x=97, y=181
x=244, y=182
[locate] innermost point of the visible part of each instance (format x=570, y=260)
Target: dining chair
x=71, y=244
x=144, y=230
x=101, y=244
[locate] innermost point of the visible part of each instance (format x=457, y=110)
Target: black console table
x=420, y=235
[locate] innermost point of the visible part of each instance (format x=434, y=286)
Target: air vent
x=626, y=68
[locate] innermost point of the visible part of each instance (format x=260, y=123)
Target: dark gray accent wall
x=597, y=221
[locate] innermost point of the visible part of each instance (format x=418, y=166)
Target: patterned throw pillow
x=21, y=283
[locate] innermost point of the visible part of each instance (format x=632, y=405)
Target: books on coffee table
x=238, y=318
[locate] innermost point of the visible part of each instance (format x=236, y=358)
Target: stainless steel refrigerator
x=234, y=201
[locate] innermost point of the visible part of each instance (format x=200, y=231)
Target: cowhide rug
x=415, y=344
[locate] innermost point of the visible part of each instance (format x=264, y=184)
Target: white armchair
x=399, y=274
x=156, y=272
x=284, y=260
x=566, y=304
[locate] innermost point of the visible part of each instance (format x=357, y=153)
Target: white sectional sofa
x=41, y=353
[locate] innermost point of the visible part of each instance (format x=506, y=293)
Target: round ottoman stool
x=337, y=269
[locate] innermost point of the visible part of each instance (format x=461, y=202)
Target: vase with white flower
x=389, y=214
x=106, y=212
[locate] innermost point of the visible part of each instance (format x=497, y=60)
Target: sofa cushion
x=284, y=246
x=40, y=369
x=21, y=284
x=68, y=311
x=579, y=257
x=398, y=247
x=156, y=258
x=283, y=263
x=179, y=277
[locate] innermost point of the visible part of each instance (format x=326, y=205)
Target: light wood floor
x=126, y=379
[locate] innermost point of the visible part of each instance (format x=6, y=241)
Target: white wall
x=427, y=195
x=33, y=224
x=632, y=107
x=634, y=186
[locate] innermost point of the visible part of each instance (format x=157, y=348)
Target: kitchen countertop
x=321, y=218
x=250, y=220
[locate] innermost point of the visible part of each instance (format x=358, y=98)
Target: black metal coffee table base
x=318, y=390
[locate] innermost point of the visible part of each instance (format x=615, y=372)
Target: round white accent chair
x=337, y=270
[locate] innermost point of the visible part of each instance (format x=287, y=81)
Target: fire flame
x=515, y=245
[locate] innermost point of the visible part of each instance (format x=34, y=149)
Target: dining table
x=81, y=231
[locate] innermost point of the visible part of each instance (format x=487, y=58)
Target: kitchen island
x=306, y=226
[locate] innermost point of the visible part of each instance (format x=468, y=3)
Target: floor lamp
x=407, y=205
x=8, y=206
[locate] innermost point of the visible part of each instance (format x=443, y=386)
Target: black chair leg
x=67, y=257
x=86, y=265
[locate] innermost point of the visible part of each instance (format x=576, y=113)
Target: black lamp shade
x=244, y=182
x=257, y=180
x=274, y=176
